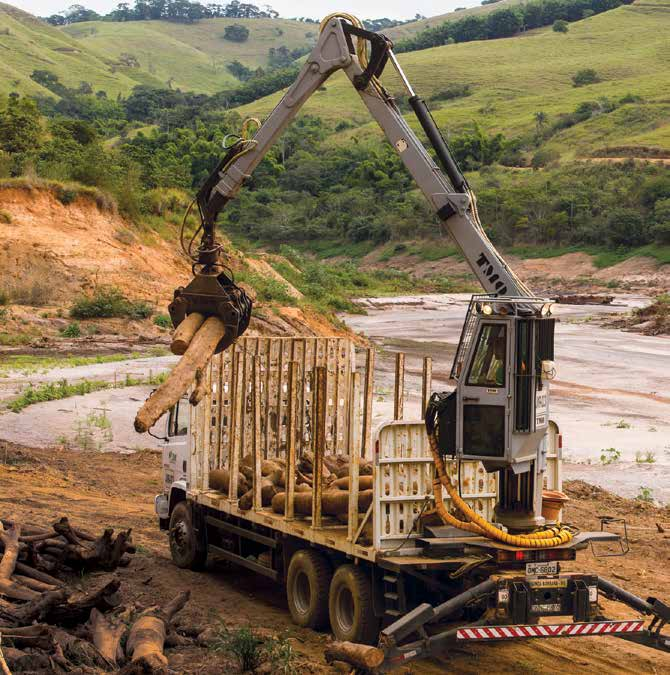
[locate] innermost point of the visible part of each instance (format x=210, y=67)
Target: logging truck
x=419, y=532
x=279, y=470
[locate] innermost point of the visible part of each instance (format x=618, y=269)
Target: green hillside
x=414, y=27
x=28, y=44
x=514, y=78
x=192, y=56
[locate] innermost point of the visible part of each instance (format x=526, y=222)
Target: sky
x=317, y=9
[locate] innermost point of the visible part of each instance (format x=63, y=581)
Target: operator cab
x=499, y=412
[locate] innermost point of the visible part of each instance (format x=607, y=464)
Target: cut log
x=147, y=636
x=106, y=636
x=37, y=609
x=302, y=503
x=78, y=608
x=364, y=657
x=219, y=479
x=184, y=333
x=106, y=552
x=197, y=355
x=364, y=483
x=8, y=587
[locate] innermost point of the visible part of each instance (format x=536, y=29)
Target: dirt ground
x=116, y=490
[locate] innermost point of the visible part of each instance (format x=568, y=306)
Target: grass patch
x=267, y=289
x=251, y=650
x=14, y=339
x=55, y=391
x=163, y=321
x=108, y=302
x=66, y=193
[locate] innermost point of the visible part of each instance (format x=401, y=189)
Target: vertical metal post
x=319, y=446
x=368, y=390
x=291, y=429
x=256, y=434
x=399, y=386
x=354, y=454
x=237, y=393
x=426, y=384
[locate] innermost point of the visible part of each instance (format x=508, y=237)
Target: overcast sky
x=317, y=9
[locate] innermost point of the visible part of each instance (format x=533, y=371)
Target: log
x=197, y=355
x=8, y=587
x=335, y=502
x=219, y=479
x=268, y=491
x=37, y=609
x=364, y=657
x=106, y=636
x=184, y=333
x=147, y=636
x=78, y=608
x=302, y=503
x=364, y=483
x=106, y=552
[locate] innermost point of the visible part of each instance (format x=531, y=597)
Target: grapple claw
x=212, y=293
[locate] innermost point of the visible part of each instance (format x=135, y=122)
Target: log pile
x=335, y=495
x=48, y=627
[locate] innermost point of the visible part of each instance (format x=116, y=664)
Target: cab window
x=178, y=420
x=489, y=362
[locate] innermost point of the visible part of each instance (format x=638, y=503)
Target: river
x=611, y=396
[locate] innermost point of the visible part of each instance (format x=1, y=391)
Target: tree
x=626, y=227
x=78, y=13
x=20, y=129
x=236, y=33
x=540, y=122
x=560, y=26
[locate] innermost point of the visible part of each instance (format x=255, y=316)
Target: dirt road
x=116, y=490
x=611, y=392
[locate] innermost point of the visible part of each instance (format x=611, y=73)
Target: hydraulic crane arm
x=446, y=190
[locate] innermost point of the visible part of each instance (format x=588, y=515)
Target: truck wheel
x=188, y=550
x=307, y=582
x=352, y=616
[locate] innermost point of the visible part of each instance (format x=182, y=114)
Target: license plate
x=548, y=583
x=540, y=568
x=541, y=609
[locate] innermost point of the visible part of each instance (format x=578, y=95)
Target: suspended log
x=184, y=333
x=200, y=389
x=364, y=657
x=198, y=353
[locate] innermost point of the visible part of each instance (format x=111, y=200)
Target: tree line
x=506, y=22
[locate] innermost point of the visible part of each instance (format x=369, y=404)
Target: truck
x=439, y=529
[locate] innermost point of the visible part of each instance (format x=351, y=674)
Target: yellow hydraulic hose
x=554, y=536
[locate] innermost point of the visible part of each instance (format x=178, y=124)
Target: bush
x=453, y=91
x=251, y=650
x=108, y=302
x=560, y=26
x=236, y=33
x=5, y=217
x=163, y=321
x=71, y=330
x=544, y=157
x=584, y=77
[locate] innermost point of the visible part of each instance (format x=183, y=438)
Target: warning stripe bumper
x=483, y=633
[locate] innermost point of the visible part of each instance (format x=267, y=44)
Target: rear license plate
x=540, y=568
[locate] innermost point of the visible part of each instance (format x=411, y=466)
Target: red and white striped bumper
x=549, y=630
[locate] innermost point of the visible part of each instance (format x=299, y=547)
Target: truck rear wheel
x=352, y=616
x=307, y=582
x=187, y=547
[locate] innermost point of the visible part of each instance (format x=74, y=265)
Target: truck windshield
x=488, y=363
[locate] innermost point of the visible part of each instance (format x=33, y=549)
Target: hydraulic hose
x=548, y=538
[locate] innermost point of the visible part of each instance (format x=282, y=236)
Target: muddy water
x=611, y=396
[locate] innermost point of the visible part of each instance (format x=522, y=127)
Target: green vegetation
x=610, y=456
x=163, y=321
x=585, y=76
x=251, y=650
x=108, y=302
x=648, y=457
x=645, y=494
x=72, y=330
x=5, y=217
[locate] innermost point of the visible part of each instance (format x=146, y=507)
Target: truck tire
x=187, y=548
x=351, y=611
x=307, y=583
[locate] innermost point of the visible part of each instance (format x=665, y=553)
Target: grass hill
x=512, y=79
x=28, y=44
x=409, y=29
x=191, y=57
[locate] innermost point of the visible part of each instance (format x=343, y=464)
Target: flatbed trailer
x=389, y=575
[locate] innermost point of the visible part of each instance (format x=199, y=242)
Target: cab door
x=175, y=450
x=483, y=393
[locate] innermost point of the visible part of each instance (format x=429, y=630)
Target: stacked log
x=48, y=627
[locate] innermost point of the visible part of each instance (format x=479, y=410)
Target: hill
x=409, y=29
x=28, y=44
x=192, y=56
x=511, y=79
x=116, y=56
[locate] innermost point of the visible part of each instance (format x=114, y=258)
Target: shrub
x=584, y=77
x=163, y=321
x=71, y=330
x=124, y=236
x=560, y=26
x=543, y=158
x=453, y=91
x=108, y=302
x=5, y=217
x=65, y=195
x=236, y=33
x=251, y=650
